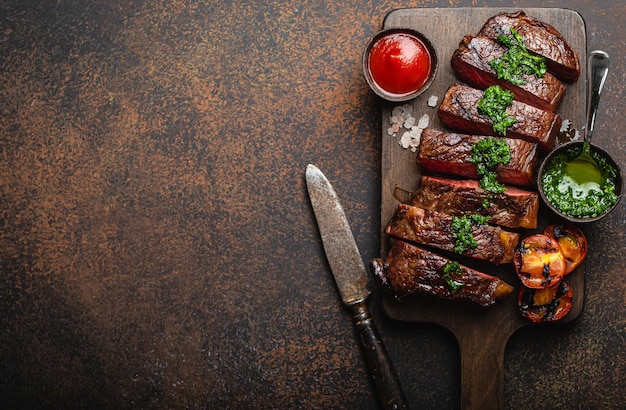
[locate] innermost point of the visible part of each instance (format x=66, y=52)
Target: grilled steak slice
x=434, y=229
x=540, y=38
x=459, y=111
x=451, y=153
x=471, y=60
x=410, y=270
x=514, y=208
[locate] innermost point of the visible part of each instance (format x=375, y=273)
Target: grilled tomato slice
x=539, y=262
x=545, y=305
x=572, y=242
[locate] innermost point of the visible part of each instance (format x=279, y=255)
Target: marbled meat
x=409, y=270
x=540, y=38
x=434, y=229
x=450, y=153
x=459, y=111
x=513, y=208
x=470, y=63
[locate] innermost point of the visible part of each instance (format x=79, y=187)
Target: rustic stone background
x=157, y=247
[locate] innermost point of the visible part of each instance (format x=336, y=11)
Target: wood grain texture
x=482, y=334
x=158, y=249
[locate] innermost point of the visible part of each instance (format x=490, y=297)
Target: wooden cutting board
x=482, y=334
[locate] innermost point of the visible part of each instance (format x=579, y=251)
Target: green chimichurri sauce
x=586, y=200
x=452, y=268
x=487, y=154
x=463, y=231
x=517, y=61
x=493, y=104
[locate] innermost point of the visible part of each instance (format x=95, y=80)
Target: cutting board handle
x=482, y=370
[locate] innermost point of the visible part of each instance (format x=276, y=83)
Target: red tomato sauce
x=399, y=63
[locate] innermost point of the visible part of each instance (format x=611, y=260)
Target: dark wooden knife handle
x=388, y=386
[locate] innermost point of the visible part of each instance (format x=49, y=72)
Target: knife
x=353, y=284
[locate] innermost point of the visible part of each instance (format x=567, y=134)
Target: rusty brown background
x=157, y=246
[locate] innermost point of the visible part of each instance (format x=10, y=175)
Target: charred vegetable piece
x=545, y=305
x=573, y=244
x=539, y=262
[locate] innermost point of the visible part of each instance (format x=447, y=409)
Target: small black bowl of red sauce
x=399, y=64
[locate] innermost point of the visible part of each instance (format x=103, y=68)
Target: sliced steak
x=470, y=63
x=514, y=208
x=434, y=229
x=409, y=270
x=450, y=153
x=540, y=38
x=459, y=111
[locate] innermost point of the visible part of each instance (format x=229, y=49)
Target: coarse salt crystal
x=401, y=116
x=416, y=132
x=432, y=101
x=405, y=140
x=416, y=137
x=423, y=121
x=415, y=143
x=409, y=122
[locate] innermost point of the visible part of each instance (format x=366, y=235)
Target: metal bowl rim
x=562, y=148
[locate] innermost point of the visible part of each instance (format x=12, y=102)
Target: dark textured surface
x=157, y=245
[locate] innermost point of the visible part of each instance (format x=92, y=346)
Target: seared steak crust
x=514, y=208
x=471, y=60
x=410, y=270
x=450, y=153
x=459, y=111
x=434, y=229
x=540, y=38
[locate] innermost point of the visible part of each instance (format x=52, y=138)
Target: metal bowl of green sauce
x=574, y=202
x=569, y=182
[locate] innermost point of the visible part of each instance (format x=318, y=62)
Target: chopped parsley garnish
x=463, y=231
x=494, y=104
x=517, y=61
x=487, y=154
x=486, y=202
x=452, y=268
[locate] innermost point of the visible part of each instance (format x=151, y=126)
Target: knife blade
x=353, y=284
